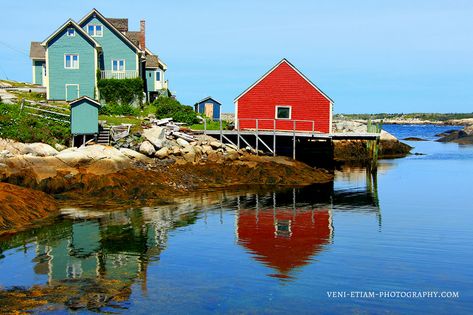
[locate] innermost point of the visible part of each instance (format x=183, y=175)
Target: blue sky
x=369, y=56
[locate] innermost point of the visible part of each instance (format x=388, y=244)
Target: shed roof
x=208, y=98
x=284, y=60
x=37, y=51
x=120, y=24
x=86, y=98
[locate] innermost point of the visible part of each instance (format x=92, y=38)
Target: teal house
x=72, y=59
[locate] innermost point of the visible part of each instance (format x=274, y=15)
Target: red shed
x=284, y=99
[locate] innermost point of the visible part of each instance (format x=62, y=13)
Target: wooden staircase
x=104, y=136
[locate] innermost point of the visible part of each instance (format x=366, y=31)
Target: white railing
x=161, y=85
x=127, y=74
x=274, y=125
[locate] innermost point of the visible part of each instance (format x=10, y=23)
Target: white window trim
x=95, y=30
x=124, y=65
x=73, y=34
x=78, y=89
x=71, y=68
x=283, y=106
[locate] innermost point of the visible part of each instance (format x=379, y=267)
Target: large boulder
x=147, y=148
x=132, y=154
x=155, y=135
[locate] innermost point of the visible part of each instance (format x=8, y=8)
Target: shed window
x=71, y=32
x=118, y=65
x=71, y=61
x=283, y=112
x=95, y=30
x=158, y=75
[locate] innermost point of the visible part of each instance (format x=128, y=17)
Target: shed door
x=72, y=92
x=209, y=110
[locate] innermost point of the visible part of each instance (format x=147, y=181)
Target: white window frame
x=94, y=33
x=73, y=84
x=118, y=65
x=72, y=67
x=73, y=32
x=283, y=106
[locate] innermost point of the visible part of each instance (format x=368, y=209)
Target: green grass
x=18, y=84
x=32, y=96
x=116, y=120
x=211, y=125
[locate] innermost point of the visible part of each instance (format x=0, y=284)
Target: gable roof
x=76, y=26
x=284, y=60
x=134, y=37
x=153, y=61
x=208, y=98
x=92, y=101
x=109, y=24
x=37, y=51
x=120, y=24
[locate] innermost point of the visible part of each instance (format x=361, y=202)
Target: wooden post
x=221, y=131
x=274, y=137
x=257, y=139
x=294, y=140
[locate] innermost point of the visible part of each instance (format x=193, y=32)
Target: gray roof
x=208, y=98
x=120, y=24
x=37, y=51
x=134, y=37
x=152, y=61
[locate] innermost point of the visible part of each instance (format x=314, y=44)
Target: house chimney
x=142, y=35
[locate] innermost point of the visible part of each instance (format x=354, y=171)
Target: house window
x=118, y=65
x=71, y=32
x=283, y=112
x=95, y=30
x=71, y=61
x=158, y=75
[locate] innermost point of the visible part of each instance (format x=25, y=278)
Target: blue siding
x=150, y=78
x=84, y=118
x=113, y=47
x=216, y=108
x=38, y=71
x=58, y=76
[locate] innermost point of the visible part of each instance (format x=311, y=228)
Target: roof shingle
x=120, y=24
x=37, y=51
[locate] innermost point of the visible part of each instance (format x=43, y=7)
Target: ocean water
x=361, y=244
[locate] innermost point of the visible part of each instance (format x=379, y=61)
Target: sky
x=369, y=56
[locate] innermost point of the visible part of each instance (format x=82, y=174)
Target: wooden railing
x=50, y=112
x=127, y=74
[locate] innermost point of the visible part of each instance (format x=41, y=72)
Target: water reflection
x=283, y=230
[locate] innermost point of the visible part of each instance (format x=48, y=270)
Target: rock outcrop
x=21, y=207
x=464, y=136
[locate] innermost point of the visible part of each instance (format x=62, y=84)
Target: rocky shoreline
x=109, y=177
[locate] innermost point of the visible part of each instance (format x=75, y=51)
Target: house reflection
x=285, y=230
x=117, y=246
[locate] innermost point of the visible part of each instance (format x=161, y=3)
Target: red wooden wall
x=284, y=86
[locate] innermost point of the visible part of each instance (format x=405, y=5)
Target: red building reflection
x=284, y=239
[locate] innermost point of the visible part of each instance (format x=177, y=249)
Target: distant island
x=460, y=119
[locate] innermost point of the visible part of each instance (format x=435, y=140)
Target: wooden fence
x=50, y=112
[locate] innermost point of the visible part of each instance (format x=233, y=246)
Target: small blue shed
x=84, y=116
x=209, y=107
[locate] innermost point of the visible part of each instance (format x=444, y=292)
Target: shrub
x=170, y=107
x=26, y=128
x=121, y=91
x=118, y=109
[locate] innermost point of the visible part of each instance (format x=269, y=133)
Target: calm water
x=407, y=229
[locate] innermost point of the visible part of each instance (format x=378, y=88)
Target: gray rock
x=215, y=144
x=39, y=149
x=155, y=136
x=134, y=155
x=182, y=142
x=147, y=148
x=59, y=147
x=162, y=153
x=6, y=154
x=206, y=149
